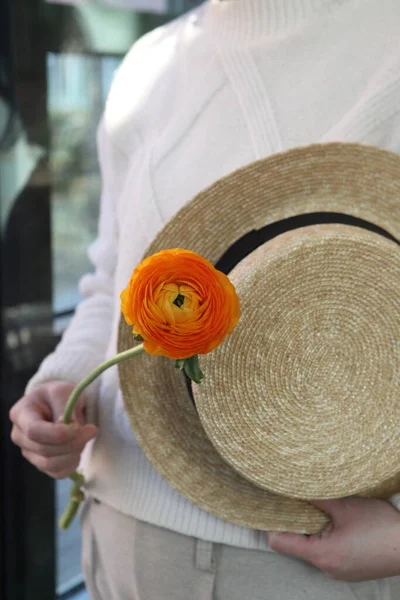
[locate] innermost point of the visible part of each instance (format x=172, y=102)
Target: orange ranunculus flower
x=180, y=304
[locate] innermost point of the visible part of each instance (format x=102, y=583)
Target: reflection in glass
x=78, y=85
x=77, y=88
x=56, y=66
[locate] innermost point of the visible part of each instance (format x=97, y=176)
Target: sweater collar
x=251, y=19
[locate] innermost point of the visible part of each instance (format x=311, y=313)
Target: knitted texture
x=228, y=83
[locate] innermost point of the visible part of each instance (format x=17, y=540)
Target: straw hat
x=301, y=401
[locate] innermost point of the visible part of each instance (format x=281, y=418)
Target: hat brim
x=352, y=179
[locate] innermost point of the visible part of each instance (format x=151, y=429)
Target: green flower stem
x=76, y=492
x=69, y=409
x=75, y=498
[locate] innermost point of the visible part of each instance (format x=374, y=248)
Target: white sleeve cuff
x=395, y=501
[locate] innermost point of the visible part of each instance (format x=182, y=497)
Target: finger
x=327, y=506
x=294, y=544
x=13, y=412
x=35, y=409
x=78, y=414
x=58, y=467
x=337, y=509
x=80, y=410
x=76, y=445
x=38, y=427
x=47, y=403
x=50, y=433
x=58, y=395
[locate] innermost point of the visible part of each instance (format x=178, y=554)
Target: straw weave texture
x=302, y=398
x=359, y=318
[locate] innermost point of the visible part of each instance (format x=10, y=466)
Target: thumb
x=307, y=547
x=79, y=413
x=89, y=431
x=336, y=509
x=293, y=544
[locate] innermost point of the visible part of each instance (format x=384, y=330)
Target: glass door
x=57, y=62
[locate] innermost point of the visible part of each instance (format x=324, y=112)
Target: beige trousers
x=126, y=559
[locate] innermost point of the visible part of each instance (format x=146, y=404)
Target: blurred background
x=57, y=62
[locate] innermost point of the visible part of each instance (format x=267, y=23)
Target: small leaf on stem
x=191, y=367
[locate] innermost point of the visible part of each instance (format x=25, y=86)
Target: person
x=228, y=83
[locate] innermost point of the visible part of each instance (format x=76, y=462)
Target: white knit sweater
x=229, y=83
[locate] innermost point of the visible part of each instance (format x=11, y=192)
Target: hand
x=49, y=445
x=361, y=543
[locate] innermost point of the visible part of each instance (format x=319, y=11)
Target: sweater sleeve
x=84, y=343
